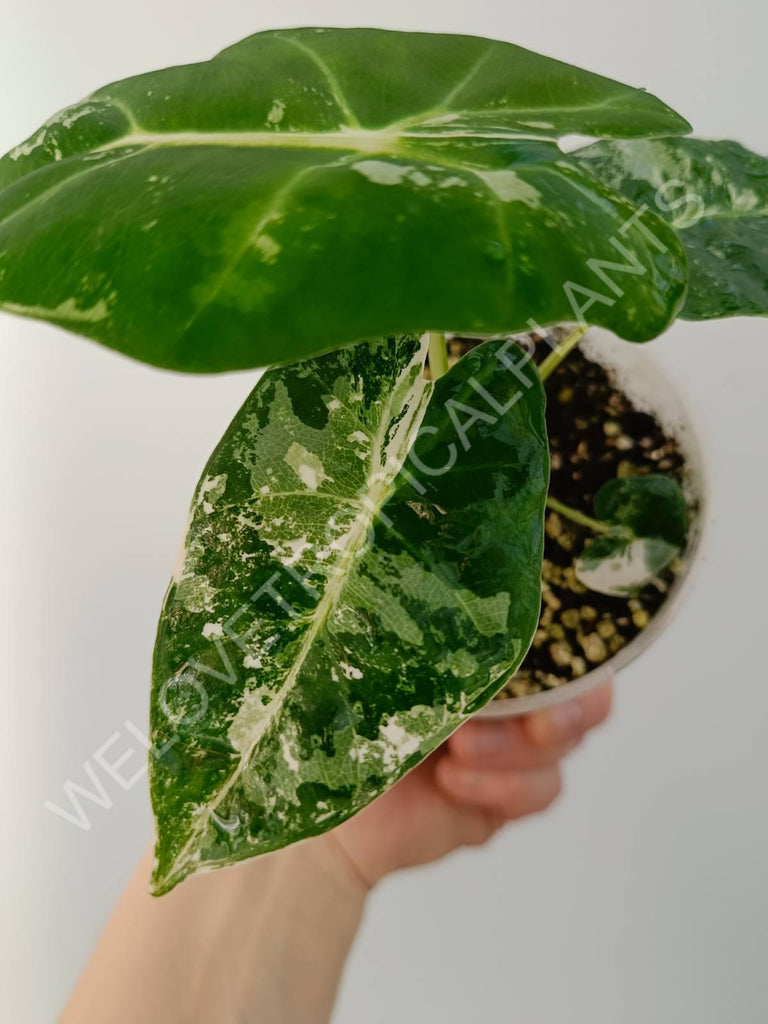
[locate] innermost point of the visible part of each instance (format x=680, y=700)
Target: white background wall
x=642, y=896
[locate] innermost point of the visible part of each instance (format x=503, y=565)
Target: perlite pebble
x=606, y=628
x=553, y=525
x=570, y=618
x=616, y=643
x=573, y=583
x=561, y=653
x=594, y=648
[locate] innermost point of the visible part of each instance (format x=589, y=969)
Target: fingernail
x=485, y=739
x=558, y=724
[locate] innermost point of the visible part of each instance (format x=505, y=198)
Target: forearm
x=264, y=941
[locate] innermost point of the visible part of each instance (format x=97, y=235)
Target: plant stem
x=557, y=355
x=575, y=516
x=438, y=354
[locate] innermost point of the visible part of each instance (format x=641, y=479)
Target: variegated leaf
x=715, y=195
x=647, y=526
x=361, y=573
x=618, y=564
x=308, y=187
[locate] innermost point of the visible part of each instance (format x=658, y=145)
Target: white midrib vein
x=370, y=502
x=349, y=136
x=364, y=140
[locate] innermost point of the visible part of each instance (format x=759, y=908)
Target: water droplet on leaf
x=494, y=251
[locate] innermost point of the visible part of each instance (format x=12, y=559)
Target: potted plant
x=612, y=415
x=362, y=567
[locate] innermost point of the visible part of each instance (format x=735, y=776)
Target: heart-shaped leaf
x=649, y=506
x=715, y=195
x=361, y=573
x=308, y=187
x=647, y=526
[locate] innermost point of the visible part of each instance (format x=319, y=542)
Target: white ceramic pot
x=639, y=376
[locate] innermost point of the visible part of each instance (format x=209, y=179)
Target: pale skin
x=267, y=940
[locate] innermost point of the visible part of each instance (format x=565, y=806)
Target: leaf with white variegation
x=361, y=573
x=715, y=195
x=307, y=188
x=646, y=520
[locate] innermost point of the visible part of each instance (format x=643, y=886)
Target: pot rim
x=641, y=377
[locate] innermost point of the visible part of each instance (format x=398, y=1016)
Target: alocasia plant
x=362, y=563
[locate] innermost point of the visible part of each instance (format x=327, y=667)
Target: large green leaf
x=337, y=613
x=646, y=520
x=310, y=187
x=715, y=195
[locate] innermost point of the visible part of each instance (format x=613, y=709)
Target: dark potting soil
x=595, y=435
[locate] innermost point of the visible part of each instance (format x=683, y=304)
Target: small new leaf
x=647, y=520
x=361, y=572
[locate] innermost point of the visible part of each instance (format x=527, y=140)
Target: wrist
x=339, y=862
x=294, y=913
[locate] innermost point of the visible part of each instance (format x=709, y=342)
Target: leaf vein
x=330, y=78
x=251, y=239
x=323, y=611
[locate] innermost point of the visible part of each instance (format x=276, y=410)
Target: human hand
x=489, y=772
x=194, y=955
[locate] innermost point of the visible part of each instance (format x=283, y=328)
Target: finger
x=559, y=724
x=503, y=794
x=533, y=741
x=504, y=743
